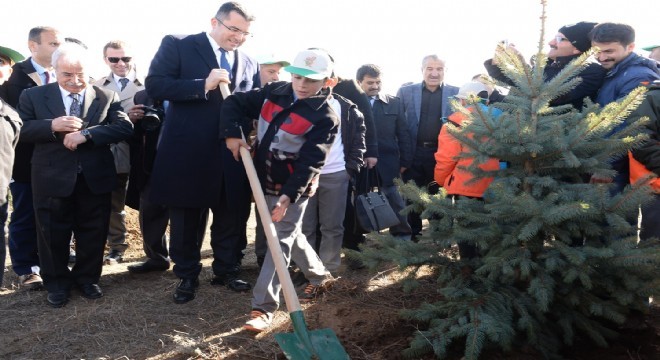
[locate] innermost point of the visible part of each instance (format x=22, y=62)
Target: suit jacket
x=10, y=127
x=121, y=151
x=411, y=96
x=23, y=77
x=192, y=163
x=54, y=167
x=394, y=144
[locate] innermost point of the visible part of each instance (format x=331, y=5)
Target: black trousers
x=153, y=225
x=421, y=172
x=84, y=215
x=187, y=227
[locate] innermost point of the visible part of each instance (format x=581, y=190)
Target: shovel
x=303, y=344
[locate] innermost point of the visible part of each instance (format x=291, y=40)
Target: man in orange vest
x=646, y=161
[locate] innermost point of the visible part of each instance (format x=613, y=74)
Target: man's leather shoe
x=91, y=291
x=185, y=291
x=148, y=266
x=232, y=282
x=58, y=298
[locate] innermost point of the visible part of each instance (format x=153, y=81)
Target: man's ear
x=331, y=82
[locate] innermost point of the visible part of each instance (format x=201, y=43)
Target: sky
x=394, y=35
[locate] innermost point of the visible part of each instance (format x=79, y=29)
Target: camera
x=152, y=118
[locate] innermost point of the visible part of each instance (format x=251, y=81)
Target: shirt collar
x=40, y=69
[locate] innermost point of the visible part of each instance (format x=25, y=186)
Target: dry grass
x=137, y=319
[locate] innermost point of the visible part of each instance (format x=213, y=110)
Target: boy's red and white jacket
x=293, y=137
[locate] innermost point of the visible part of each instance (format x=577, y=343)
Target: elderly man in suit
x=122, y=80
x=426, y=105
x=394, y=145
x=193, y=171
x=34, y=71
x=73, y=173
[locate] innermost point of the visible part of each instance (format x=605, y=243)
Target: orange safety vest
x=638, y=172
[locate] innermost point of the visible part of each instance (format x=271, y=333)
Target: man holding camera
x=123, y=81
x=153, y=217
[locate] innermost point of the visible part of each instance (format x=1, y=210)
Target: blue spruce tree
x=559, y=258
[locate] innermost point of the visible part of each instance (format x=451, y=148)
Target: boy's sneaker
x=311, y=291
x=259, y=321
x=114, y=257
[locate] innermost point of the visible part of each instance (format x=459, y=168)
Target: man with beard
x=567, y=45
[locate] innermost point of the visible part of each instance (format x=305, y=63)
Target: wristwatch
x=86, y=134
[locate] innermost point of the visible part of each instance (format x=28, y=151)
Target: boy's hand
x=234, y=145
x=280, y=208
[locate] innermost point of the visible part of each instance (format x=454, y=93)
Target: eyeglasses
x=235, y=30
x=560, y=38
x=115, y=60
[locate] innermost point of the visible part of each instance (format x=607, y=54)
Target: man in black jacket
x=394, y=144
x=649, y=156
x=567, y=45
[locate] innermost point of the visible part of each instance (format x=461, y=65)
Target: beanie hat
x=578, y=34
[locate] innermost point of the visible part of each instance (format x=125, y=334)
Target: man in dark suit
x=394, y=145
x=73, y=172
x=35, y=71
x=193, y=170
x=427, y=106
x=153, y=217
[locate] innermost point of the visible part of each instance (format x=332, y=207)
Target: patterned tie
x=75, y=109
x=124, y=82
x=224, y=63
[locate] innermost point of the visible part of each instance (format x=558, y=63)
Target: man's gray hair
x=73, y=52
x=431, y=57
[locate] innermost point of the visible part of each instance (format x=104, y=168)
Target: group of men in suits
x=77, y=170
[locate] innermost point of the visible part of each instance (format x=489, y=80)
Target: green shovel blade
x=304, y=344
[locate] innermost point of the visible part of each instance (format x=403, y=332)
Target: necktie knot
x=124, y=82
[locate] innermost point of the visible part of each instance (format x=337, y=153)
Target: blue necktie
x=75, y=109
x=124, y=82
x=224, y=63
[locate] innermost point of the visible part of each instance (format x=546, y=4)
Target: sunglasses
x=115, y=60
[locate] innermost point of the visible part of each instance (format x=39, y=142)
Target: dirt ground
x=137, y=319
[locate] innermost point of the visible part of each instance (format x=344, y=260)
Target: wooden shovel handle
x=290, y=297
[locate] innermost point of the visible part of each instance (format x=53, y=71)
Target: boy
x=296, y=127
x=450, y=167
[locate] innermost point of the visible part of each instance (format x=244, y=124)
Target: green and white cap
x=272, y=59
x=312, y=64
x=12, y=54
